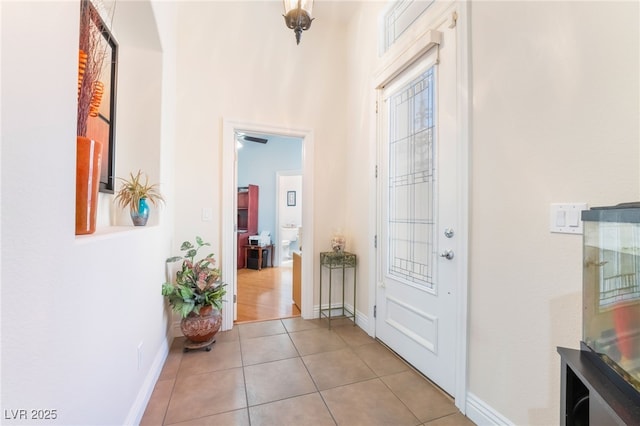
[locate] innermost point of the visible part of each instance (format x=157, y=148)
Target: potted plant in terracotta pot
x=134, y=194
x=196, y=295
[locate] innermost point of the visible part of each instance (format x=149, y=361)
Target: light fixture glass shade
x=297, y=15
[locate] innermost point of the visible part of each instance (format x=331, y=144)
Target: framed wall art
x=291, y=198
x=101, y=126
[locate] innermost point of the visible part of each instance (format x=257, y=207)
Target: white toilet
x=288, y=235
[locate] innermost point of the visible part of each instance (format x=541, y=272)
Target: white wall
x=74, y=309
x=555, y=92
x=555, y=119
x=359, y=176
x=238, y=61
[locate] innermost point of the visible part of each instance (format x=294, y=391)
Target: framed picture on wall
x=102, y=125
x=291, y=198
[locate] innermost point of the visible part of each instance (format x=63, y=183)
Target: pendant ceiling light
x=297, y=15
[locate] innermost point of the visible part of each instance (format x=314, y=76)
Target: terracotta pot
x=88, y=159
x=201, y=328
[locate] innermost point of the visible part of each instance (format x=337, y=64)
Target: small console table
x=332, y=260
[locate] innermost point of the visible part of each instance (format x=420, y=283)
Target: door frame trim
x=229, y=206
x=397, y=60
x=463, y=78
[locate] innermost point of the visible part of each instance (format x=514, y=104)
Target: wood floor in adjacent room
x=266, y=294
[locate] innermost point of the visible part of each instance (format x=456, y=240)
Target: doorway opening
x=268, y=229
x=269, y=179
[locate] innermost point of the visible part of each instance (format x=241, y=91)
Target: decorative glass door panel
x=411, y=189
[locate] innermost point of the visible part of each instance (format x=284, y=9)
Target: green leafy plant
x=197, y=282
x=133, y=190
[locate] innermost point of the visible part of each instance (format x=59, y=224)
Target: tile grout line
x=175, y=379
x=244, y=378
x=416, y=371
x=376, y=377
x=400, y=399
x=412, y=369
x=316, y=384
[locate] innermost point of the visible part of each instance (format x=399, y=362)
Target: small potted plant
x=134, y=194
x=196, y=294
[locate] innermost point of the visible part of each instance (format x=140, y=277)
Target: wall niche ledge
x=113, y=232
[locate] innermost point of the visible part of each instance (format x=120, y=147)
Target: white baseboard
x=176, y=331
x=144, y=394
x=362, y=320
x=482, y=414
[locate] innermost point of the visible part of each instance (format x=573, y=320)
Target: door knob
x=447, y=254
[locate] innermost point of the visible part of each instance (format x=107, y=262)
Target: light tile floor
x=295, y=372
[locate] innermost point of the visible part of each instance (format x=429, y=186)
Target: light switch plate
x=207, y=214
x=564, y=218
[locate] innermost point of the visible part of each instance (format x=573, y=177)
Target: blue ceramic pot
x=140, y=217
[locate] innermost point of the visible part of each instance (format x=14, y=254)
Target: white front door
x=418, y=210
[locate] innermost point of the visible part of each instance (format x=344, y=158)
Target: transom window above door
x=398, y=18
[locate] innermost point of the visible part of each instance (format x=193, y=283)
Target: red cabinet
x=247, y=219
